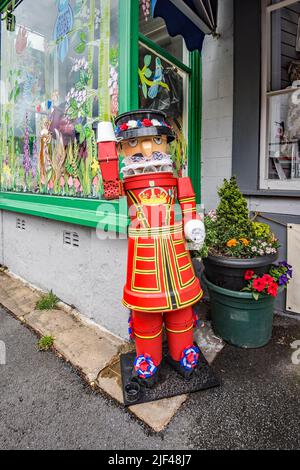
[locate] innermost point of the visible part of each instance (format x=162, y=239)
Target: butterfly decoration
x=63, y=26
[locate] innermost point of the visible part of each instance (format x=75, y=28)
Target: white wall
x=217, y=112
x=90, y=277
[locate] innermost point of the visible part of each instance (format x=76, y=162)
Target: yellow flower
x=6, y=170
x=232, y=242
x=95, y=167
x=245, y=241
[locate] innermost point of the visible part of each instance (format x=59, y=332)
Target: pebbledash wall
x=88, y=273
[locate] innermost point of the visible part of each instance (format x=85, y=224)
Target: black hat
x=143, y=123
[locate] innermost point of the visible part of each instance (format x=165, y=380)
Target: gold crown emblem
x=154, y=197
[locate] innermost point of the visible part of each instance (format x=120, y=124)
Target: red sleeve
x=187, y=199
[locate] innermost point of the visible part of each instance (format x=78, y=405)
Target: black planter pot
x=229, y=272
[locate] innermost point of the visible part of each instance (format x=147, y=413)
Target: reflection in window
x=156, y=30
x=283, y=96
x=59, y=75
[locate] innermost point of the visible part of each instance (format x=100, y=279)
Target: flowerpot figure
x=161, y=285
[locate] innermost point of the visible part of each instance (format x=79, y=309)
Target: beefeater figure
x=161, y=286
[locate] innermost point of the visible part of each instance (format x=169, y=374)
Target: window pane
x=59, y=74
x=285, y=46
x=162, y=86
x=155, y=29
x=283, y=137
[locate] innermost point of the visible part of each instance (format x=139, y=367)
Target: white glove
x=194, y=230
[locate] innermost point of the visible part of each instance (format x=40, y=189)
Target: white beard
x=148, y=166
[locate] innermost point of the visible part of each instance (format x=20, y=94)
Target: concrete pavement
x=46, y=405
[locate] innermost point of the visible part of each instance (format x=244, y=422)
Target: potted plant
x=245, y=318
x=235, y=243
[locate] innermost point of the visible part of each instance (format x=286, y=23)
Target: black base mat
x=170, y=382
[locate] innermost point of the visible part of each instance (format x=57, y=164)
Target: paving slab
x=159, y=413
x=86, y=349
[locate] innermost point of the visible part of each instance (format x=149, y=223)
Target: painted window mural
x=59, y=77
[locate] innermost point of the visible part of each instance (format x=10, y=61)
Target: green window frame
x=112, y=215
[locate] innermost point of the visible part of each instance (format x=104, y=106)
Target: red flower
x=147, y=123
x=124, y=127
x=259, y=284
x=273, y=289
x=268, y=278
x=248, y=275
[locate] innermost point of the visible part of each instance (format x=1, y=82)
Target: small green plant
x=47, y=302
x=230, y=230
x=45, y=343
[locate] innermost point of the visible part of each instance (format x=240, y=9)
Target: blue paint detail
x=63, y=26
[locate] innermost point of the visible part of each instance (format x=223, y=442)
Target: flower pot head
x=143, y=123
x=105, y=132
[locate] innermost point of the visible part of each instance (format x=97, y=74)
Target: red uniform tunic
x=160, y=274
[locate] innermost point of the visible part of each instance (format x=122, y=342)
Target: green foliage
x=261, y=230
x=80, y=48
x=211, y=238
x=47, y=302
x=233, y=220
x=230, y=231
x=45, y=343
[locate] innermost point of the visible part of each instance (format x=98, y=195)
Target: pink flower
x=62, y=181
x=70, y=182
x=77, y=184
x=95, y=181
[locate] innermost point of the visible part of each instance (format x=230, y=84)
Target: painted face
x=145, y=146
x=145, y=155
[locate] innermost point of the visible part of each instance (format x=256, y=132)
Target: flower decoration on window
x=146, y=5
x=151, y=81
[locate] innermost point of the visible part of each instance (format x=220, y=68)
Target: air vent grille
x=20, y=224
x=71, y=239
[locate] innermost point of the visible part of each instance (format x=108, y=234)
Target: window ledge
x=101, y=214
x=270, y=193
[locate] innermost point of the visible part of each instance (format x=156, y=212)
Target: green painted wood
x=5, y=3
x=128, y=55
x=105, y=215
x=163, y=53
x=195, y=123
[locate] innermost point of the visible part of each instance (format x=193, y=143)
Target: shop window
x=163, y=81
x=59, y=76
x=280, y=136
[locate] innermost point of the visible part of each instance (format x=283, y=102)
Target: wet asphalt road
x=44, y=404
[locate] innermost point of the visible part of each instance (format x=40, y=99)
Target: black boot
x=187, y=366
x=186, y=374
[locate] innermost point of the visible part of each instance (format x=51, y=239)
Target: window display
x=59, y=76
x=281, y=100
